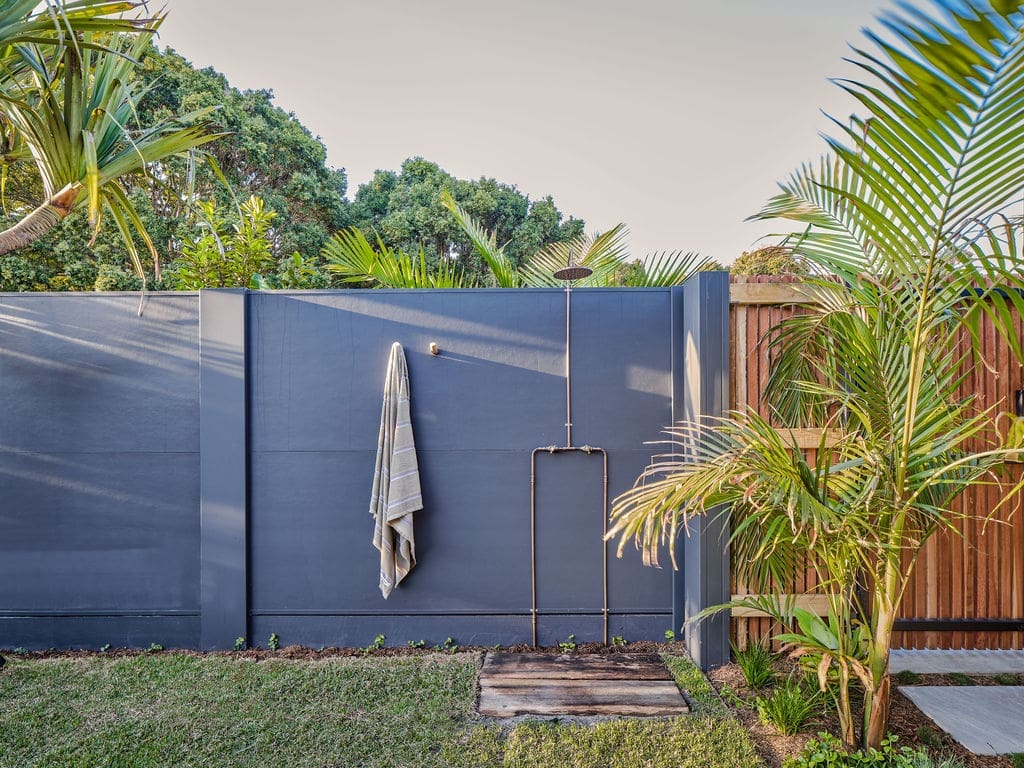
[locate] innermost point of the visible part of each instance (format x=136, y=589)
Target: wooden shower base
x=623, y=685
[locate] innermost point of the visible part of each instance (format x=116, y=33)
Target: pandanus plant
x=68, y=95
x=904, y=223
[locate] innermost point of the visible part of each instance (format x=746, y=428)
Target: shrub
x=771, y=260
x=788, y=707
x=1005, y=678
x=757, y=663
x=959, y=678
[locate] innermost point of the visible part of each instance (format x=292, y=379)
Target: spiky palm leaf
x=73, y=107
x=605, y=253
x=485, y=243
x=902, y=222
x=351, y=256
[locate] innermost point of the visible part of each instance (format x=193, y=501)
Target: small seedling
x=569, y=645
x=757, y=663
x=417, y=643
x=906, y=677
x=378, y=642
x=670, y=635
x=274, y=642
x=105, y=647
x=1005, y=678
x=930, y=737
x=733, y=699
x=959, y=678
x=154, y=648
x=321, y=649
x=450, y=645
x=239, y=643
x=496, y=647
x=618, y=640
x=20, y=651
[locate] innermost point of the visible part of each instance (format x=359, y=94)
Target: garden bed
x=906, y=721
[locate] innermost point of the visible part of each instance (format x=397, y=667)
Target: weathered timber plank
x=767, y=293
x=816, y=604
x=619, y=666
x=644, y=699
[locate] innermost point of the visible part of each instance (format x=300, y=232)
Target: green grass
x=166, y=709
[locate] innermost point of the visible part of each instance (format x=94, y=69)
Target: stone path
x=968, y=662
x=627, y=684
x=987, y=719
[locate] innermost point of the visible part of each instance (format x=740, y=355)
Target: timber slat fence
x=968, y=589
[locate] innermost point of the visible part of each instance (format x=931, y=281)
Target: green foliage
x=239, y=643
x=568, y=645
x=959, y=678
x=269, y=154
x=154, y=648
x=618, y=641
x=449, y=646
x=770, y=260
x=105, y=647
x=906, y=677
x=907, y=250
x=378, y=642
x=273, y=642
x=670, y=635
x=1016, y=759
x=788, y=707
x=72, y=110
x=930, y=737
x=20, y=273
x=350, y=256
x=827, y=751
x=229, y=253
x=407, y=211
x=417, y=643
x=757, y=663
x=1005, y=678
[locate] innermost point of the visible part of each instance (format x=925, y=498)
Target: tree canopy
x=406, y=210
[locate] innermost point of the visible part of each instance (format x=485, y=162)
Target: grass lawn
x=181, y=710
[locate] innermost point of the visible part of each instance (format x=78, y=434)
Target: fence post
x=223, y=476
x=705, y=576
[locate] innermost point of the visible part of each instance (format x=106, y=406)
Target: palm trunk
x=845, y=715
x=40, y=221
x=876, y=696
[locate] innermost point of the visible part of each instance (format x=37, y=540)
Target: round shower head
x=573, y=272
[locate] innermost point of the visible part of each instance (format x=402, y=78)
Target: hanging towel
x=396, y=481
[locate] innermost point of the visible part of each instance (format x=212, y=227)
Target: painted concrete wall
x=101, y=535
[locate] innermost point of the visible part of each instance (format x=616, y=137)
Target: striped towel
x=396, y=481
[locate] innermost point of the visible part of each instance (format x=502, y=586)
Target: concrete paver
x=987, y=719
x=968, y=662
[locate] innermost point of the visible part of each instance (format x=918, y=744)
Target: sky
x=676, y=117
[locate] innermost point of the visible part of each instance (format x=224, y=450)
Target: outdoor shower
x=570, y=274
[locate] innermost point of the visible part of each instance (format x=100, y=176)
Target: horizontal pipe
x=525, y=613
x=959, y=625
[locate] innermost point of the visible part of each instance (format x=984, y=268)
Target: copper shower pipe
x=587, y=449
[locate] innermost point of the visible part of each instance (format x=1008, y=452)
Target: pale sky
x=675, y=117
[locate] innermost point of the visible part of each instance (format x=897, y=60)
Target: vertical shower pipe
x=568, y=448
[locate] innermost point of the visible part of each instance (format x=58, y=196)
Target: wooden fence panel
x=975, y=572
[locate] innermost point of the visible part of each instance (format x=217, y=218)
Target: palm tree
x=607, y=254
x=69, y=99
x=903, y=225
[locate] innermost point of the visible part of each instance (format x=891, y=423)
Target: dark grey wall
x=99, y=470
x=496, y=392
x=101, y=537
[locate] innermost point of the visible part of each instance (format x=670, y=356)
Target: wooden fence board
x=973, y=572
